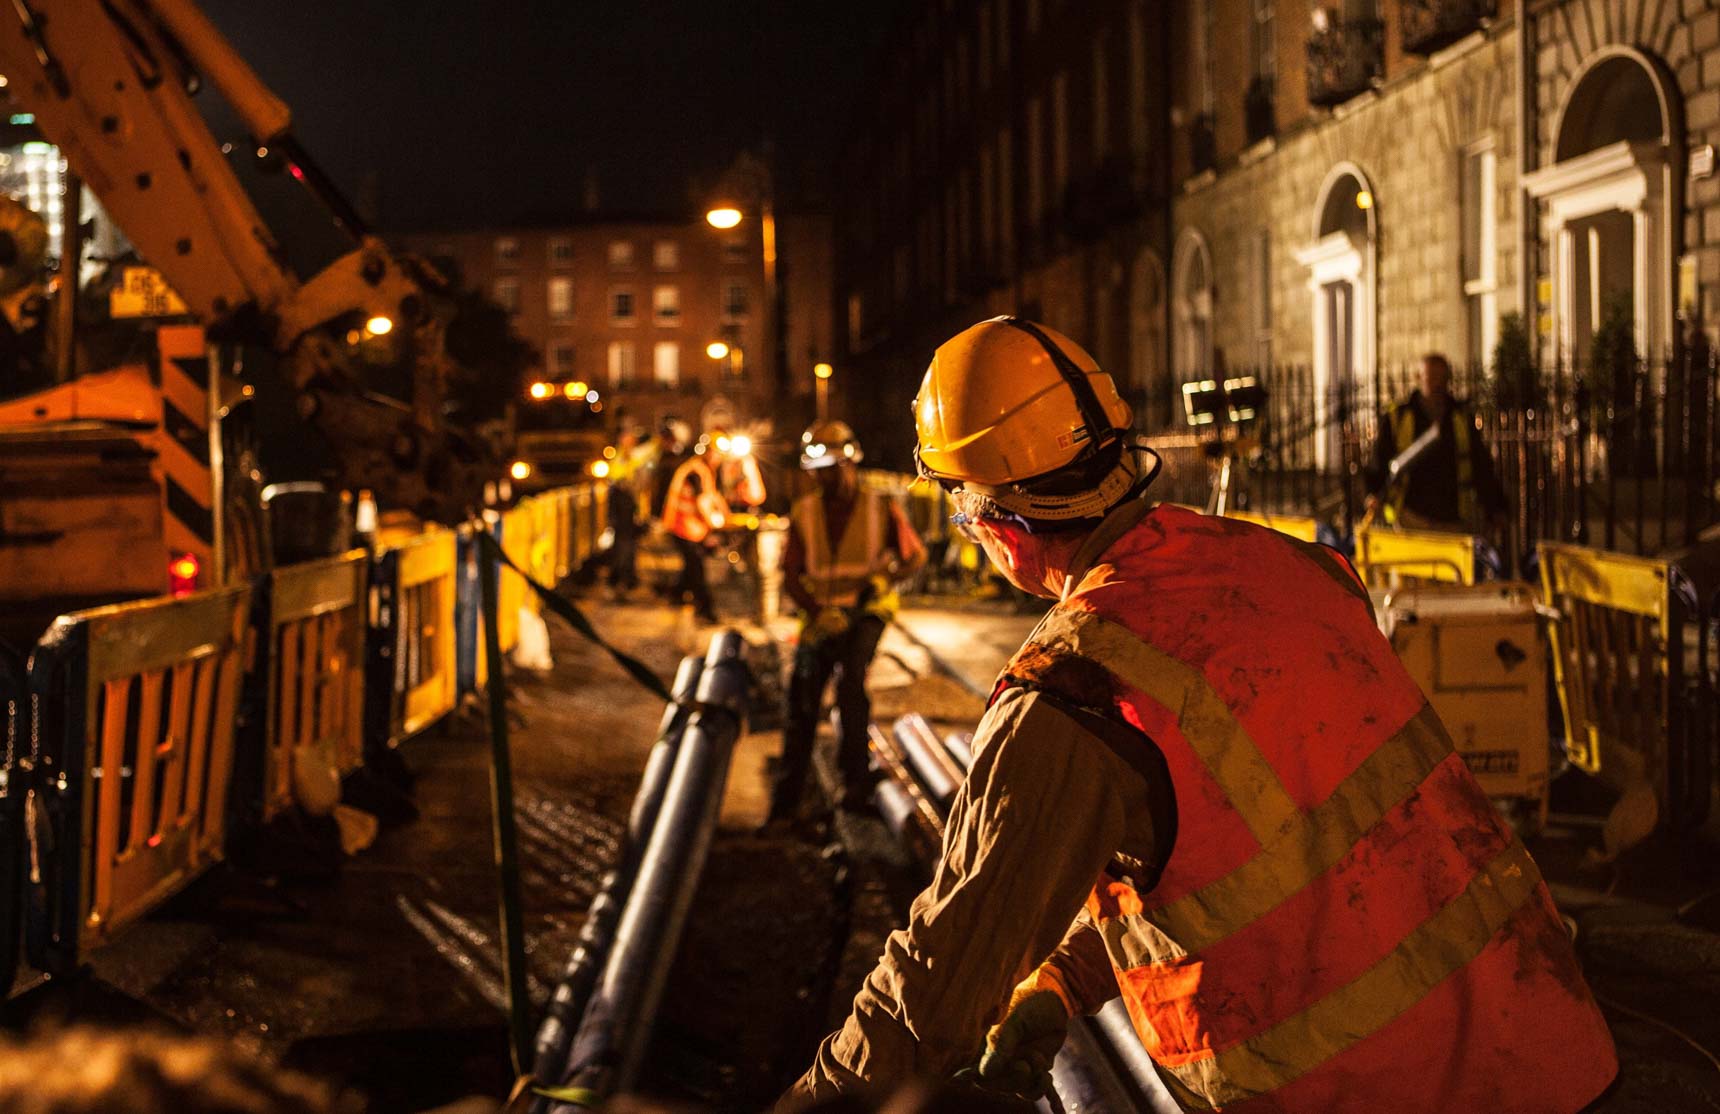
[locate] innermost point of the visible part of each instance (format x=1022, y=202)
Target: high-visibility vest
x=690, y=513
x=1344, y=922
x=1404, y=433
x=835, y=577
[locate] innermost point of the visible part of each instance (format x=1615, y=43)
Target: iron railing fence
x=1622, y=458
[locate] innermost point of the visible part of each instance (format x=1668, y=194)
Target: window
x=560, y=251
x=621, y=307
x=1262, y=308
x=1003, y=37
x=621, y=363
x=1035, y=160
x=1265, y=41
x=1059, y=136
x=666, y=255
x=987, y=213
x=1006, y=198
x=983, y=41
x=856, y=319
x=734, y=299
x=620, y=255
x=735, y=250
x=561, y=358
x=560, y=297
x=506, y=293
x=1137, y=81
x=507, y=251
x=666, y=363
x=666, y=305
x=1202, y=26
x=1479, y=202
x=1101, y=104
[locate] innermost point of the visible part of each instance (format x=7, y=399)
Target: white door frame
x=1633, y=177
x=1337, y=257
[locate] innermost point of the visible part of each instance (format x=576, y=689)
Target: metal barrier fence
x=1632, y=658
x=313, y=657
x=1383, y=553
x=135, y=738
x=123, y=738
x=1619, y=456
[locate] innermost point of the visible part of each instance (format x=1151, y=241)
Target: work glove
x=829, y=623
x=1019, y=1049
x=879, y=585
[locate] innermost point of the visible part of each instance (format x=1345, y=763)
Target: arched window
x=1192, y=305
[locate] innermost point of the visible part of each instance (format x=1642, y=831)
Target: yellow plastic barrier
x=146, y=743
x=1297, y=526
x=424, y=646
x=1413, y=555
x=543, y=545
x=1618, y=659
x=565, y=550
x=316, y=632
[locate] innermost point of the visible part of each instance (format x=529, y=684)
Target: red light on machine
x=182, y=574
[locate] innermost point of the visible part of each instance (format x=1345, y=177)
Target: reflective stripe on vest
x=1403, y=434
x=1316, y=910
x=836, y=579
x=687, y=513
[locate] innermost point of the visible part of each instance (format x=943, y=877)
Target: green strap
x=576, y=619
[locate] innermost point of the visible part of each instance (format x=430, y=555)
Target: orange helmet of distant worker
x=829, y=442
x=1020, y=414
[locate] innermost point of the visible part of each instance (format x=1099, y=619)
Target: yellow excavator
x=124, y=481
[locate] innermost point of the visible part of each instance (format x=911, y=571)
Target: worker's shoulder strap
x=1137, y=751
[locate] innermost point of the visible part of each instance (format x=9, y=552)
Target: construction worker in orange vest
x=693, y=508
x=847, y=549
x=1204, y=782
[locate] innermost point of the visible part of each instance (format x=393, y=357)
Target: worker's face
x=1023, y=559
x=1435, y=379
x=838, y=480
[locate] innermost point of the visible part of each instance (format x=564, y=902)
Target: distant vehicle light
x=718, y=521
x=541, y=390
x=609, y=452
x=716, y=350
x=592, y=396
x=723, y=444
x=573, y=390
x=725, y=216
x=600, y=469
x=183, y=572
x=519, y=470
x=823, y=371
x=740, y=444
x=379, y=326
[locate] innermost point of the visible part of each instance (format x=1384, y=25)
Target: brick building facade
x=629, y=306
x=1004, y=161
x=1202, y=186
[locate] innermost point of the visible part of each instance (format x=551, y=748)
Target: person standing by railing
x=1452, y=484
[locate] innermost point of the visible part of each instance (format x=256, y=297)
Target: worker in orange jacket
x=694, y=508
x=1206, y=783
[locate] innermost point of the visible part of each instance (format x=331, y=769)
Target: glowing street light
x=520, y=470
x=541, y=390
x=716, y=350
x=723, y=216
x=821, y=373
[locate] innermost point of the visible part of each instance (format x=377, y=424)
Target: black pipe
x=573, y=993
x=610, y=1045
x=1102, y=1067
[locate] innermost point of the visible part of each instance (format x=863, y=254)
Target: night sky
x=466, y=111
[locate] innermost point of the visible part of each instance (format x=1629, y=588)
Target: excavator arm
x=110, y=82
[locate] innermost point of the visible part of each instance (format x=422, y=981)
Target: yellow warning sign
x=142, y=292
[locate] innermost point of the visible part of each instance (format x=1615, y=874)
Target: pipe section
x=926, y=755
x=609, y=1047
x=572, y=994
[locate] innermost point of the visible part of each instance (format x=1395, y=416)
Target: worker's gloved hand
x=829, y=623
x=1019, y=1049
x=880, y=585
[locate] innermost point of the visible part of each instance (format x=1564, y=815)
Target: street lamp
x=750, y=185
x=716, y=350
x=724, y=217
x=821, y=373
